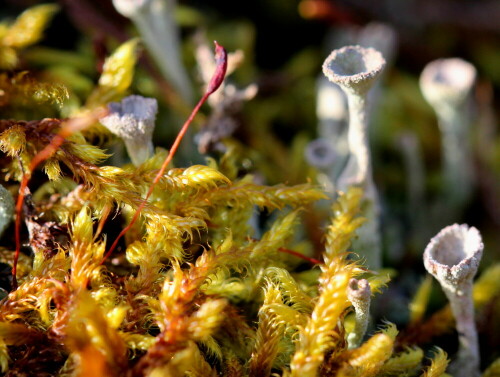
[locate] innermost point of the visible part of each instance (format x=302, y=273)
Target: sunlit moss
x=26, y=30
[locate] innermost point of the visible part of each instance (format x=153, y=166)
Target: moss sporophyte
x=130, y=134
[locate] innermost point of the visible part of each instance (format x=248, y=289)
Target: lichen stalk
x=156, y=24
x=6, y=208
x=457, y=162
x=359, y=167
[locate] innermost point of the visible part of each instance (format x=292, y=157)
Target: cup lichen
x=453, y=257
x=355, y=69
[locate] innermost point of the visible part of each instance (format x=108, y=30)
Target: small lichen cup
x=453, y=257
x=133, y=120
x=359, y=293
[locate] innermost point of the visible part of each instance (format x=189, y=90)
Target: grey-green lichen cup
x=356, y=69
x=453, y=257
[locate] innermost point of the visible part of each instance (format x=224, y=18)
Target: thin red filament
x=70, y=127
x=215, y=83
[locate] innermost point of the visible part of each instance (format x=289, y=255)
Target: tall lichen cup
x=355, y=69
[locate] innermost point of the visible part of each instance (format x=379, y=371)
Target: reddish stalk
x=299, y=255
x=215, y=82
x=69, y=127
x=294, y=253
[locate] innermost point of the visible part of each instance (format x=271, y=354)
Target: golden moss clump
x=26, y=30
x=438, y=365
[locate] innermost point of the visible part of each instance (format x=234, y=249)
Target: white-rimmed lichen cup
x=355, y=69
x=453, y=257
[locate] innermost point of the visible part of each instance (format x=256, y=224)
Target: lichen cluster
x=193, y=289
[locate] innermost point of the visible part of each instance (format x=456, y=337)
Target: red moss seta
x=68, y=128
x=215, y=83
